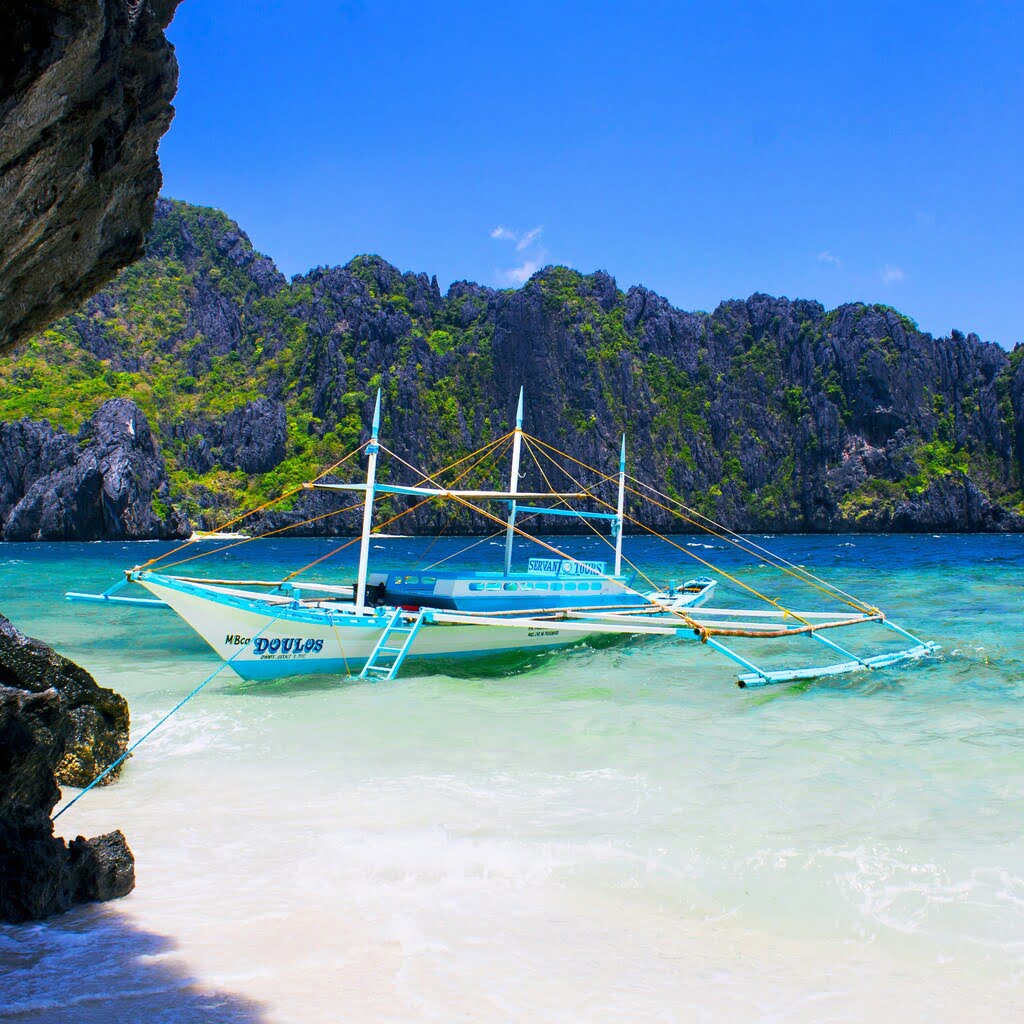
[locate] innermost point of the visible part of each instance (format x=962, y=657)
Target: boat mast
x=371, y=478
x=618, y=514
x=513, y=486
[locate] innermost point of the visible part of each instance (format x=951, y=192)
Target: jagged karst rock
x=106, y=484
x=1014, y=388
x=767, y=414
x=85, y=91
x=56, y=726
x=251, y=438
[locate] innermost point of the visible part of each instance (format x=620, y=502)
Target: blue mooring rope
x=149, y=732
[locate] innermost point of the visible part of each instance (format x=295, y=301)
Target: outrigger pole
x=513, y=486
x=371, y=479
x=617, y=522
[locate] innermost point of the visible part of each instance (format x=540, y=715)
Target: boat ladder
x=386, y=658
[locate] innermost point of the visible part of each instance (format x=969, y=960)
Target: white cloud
x=520, y=274
x=522, y=241
x=829, y=257
x=892, y=274
x=527, y=243
x=529, y=238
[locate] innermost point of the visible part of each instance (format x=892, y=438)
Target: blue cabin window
x=540, y=586
x=511, y=586
x=556, y=586
x=428, y=581
x=570, y=586
x=476, y=586
x=494, y=586
x=595, y=586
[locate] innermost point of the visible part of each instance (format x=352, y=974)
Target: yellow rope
x=702, y=631
x=587, y=522
x=492, y=454
x=262, y=536
x=830, y=591
x=660, y=536
x=294, y=526
x=356, y=539
x=245, y=515
x=469, y=547
x=412, y=508
x=778, y=562
x=800, y=575
x=752, y=548
x=696, y=626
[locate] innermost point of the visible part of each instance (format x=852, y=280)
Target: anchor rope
x=149, y=732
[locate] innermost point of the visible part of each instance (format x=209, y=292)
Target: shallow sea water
x=616, y=834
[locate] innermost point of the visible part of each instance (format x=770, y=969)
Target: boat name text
x=565, y=567
x=278, y=645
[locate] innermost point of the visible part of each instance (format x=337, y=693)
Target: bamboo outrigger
x=271, y=628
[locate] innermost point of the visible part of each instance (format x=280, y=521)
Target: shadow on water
x=288, y=686
x=92, y=965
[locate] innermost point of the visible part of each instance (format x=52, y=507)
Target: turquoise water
x=615, y=834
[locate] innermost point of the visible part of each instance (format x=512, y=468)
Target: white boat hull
x=261, y=640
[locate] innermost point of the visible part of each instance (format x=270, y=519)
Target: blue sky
x=859, y=151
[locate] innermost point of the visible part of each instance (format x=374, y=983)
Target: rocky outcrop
x=251, y=438
x=56, y=726
x=767, y=414
x=85, y=91
x=1013, y=384
x=107, y=483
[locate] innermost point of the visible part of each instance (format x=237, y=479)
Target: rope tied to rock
x=149, y=732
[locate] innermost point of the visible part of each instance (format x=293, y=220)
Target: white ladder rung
x=378, y=669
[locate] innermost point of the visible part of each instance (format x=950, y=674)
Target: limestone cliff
x=107, y=482
x=768, y=413
x=85, y=94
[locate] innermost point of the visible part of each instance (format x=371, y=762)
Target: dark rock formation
x=107, y=483
x=85, y=91
x=768, y=414
x=56, y=725
x=251, y=438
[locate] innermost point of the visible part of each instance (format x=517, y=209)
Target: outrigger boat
x=271, y=629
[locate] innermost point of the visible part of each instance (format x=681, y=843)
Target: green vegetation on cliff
x=767, y=413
